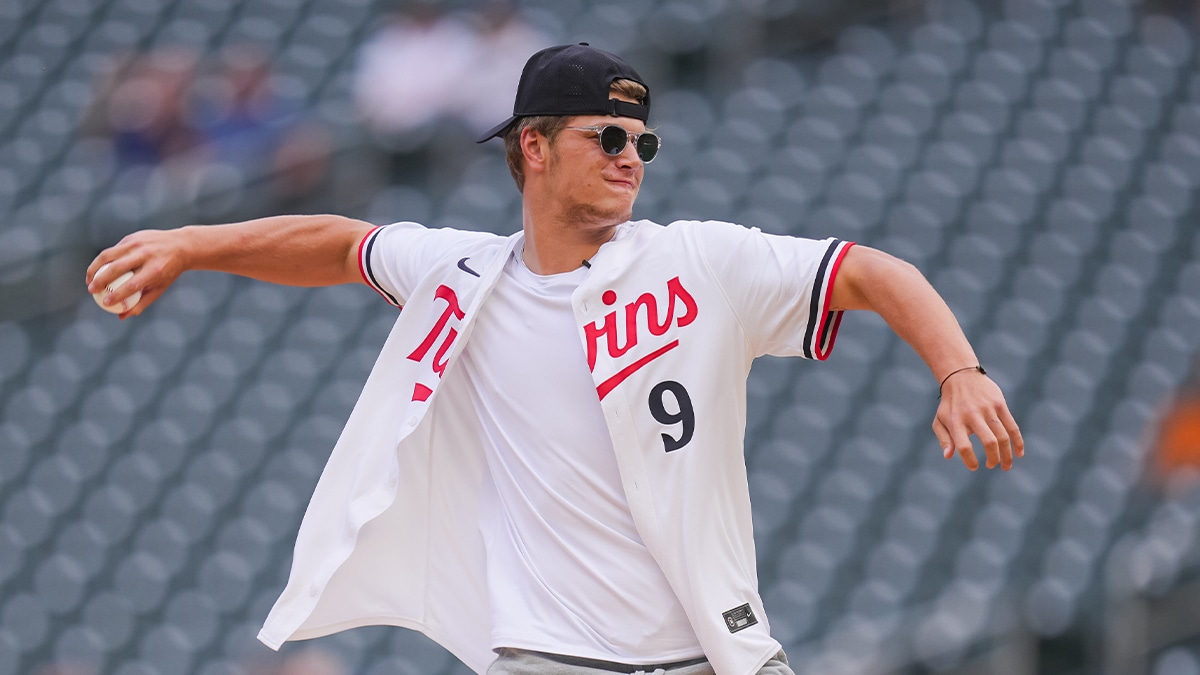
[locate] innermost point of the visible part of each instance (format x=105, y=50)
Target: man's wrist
x=977, y=368
x=205, y=247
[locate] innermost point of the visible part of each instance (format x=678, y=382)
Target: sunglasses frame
x=625, y=135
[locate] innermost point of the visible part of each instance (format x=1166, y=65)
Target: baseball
x=125, y=306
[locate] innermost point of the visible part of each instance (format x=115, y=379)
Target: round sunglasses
x=614, y=138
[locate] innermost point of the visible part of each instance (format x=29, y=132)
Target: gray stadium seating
x=1037, y=159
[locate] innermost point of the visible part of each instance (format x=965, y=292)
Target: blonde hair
x=550, y=125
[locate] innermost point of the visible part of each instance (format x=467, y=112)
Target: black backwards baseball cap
x=572, y=80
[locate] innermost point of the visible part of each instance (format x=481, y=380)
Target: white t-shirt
x=568, y=572
x=392, y=534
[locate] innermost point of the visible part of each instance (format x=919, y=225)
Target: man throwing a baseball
x=545, y=472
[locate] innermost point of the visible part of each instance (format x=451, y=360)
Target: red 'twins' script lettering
x=677, y=296
x=452, y=309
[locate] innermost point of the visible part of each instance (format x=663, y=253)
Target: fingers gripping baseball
x=974, y=406
x=155, y=259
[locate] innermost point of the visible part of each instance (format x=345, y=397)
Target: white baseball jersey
x=670, y=319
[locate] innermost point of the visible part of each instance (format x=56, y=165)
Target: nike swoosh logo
x=462, y=265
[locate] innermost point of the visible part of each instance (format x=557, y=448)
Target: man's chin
x=597, y=215
x=624, y=211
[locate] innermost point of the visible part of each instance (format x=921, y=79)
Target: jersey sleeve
x=392, y=258
x=779, y=287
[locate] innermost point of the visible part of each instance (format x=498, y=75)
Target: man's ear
x=535, y=147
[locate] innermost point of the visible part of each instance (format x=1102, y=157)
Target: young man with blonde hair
x=545, y=470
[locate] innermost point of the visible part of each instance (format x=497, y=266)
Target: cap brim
x=497, y=130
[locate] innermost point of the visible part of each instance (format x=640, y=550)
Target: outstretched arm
x=972, y=404
x=289, y=250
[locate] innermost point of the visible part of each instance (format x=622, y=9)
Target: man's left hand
x=972, y=404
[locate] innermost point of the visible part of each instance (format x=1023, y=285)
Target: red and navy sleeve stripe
x=364, y=266
x=823, y=323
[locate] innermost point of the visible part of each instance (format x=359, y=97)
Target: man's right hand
x=156, y=258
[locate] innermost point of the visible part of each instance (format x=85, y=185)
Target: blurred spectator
x=141, y=106
x=240, y=119
x=300, y=171
x=215, y=127
x=411, y=72
x=1175, y=460
x=244, y=124
x=429, y=82
x=505, y=41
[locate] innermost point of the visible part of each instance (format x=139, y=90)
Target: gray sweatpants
x=518, y=662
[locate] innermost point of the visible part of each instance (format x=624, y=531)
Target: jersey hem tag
x=739, y=618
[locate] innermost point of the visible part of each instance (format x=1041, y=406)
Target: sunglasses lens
x=613, y=139
x=647, y=147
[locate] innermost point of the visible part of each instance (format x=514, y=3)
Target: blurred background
x=1037, y=159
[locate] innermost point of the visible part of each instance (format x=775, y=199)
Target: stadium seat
x=26, y=620
x=168, y=542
